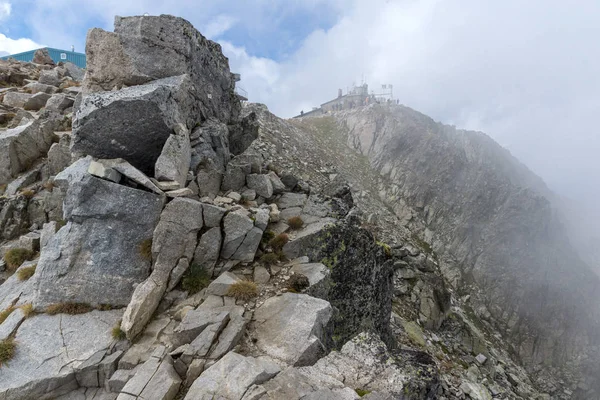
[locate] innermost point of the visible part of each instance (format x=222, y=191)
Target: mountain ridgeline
x=493, y=224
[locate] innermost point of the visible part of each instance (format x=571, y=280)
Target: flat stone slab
x=291, y=328
x=231, y=377
x=50, y=347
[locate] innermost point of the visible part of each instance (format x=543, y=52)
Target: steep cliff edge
x=491, y=221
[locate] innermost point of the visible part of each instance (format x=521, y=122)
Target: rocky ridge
x=191, y=269
x=238, y=256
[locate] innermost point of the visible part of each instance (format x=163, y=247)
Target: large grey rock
x=208, y=249
x=289, y=200
x=50, y=77
x=278, y=186
x=16, y=99
x=236, y=225
x=234, y=178
x=10, y=324
x=133, y=123
x=231, y=377
x=146, y=48
x=36, y=102
x=174, y=160
x=209, y=182
x=174, y=238
x=22, y=146
x=306, y=237
x=195, y=321
x=212, y=215
x=36, y=87
x=75, y=172
x=261, y=184
x=247, y=249
x=210, y=142
x=59, y=156
x=59, y=102
x=293, y=328
x=304, y=383
x=176, y=233
x=144, y=301
x=155, y=379
x=50, y=349
x=100, y=246
x=74, y=71
x=221, y=285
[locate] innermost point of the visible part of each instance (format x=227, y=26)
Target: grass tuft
x=243, y=290
x=27, y=310
x=279, y=241
x=7, y=350
x=195, y=279
x=4, y=314
x=26, y=272
x=27, y=193
x=269, y=258
x=295, y=223
x=68, y=308
x=146, y=249
x=386, y=249
x=17, y=256
x=117, y=333
x=362, y=392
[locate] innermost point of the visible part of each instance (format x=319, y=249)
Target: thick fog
x=526, y=73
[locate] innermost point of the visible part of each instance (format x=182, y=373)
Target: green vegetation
x=7, y=350
x=269, y=258
x=279, y=241
x=6, y=313
x=426, y=247
x=17, y=256
x=68, y=308
x=146, y=249
x=27, y=310
x=195, y=279
x=117, y=333
x=26, y=272
x=267, y=236
x=243, y=290
x=295, y=223
x=386, y=248
x=362, y=392
x=414, y=332
x=297, y=283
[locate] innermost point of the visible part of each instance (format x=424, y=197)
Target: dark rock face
x=362, y=280
x=41, y=56
x=493, y=218
x=133, y=123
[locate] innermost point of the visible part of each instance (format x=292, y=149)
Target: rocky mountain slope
x=162, y=241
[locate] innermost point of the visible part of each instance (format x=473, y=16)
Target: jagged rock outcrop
x=147, y=48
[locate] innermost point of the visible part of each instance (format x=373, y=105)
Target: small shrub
x=243, y=290
x=17, y=256
x=68, y=308
x=3, y=188
x=27, y=193
x=295, y=222
x=146, y=249
x=269, y=258
x=362, y=392
x=297, y=283
x=268, y=236
x=386, y=249
x=27, y=310
x=7, y=350
x=26, y=272
x=117, y=333
x=279, y=241
x=5, y=313
x=195, y=279
x=60, y=223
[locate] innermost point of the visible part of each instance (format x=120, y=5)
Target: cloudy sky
x=525, y=72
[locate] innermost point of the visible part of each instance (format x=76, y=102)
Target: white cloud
x=5, y=9
x=218, y=26
x=14, y=46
